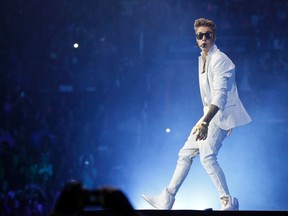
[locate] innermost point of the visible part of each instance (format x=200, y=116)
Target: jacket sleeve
x=222, y=79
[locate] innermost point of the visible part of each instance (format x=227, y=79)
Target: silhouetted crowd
x=63, y=109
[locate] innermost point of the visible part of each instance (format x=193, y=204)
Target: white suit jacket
x=218, y=87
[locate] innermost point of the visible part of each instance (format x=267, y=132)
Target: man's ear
x=196, y=43
x=215, y=37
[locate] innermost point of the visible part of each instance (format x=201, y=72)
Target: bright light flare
x=76, y=45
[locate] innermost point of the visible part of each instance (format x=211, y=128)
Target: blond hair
x=204, y=22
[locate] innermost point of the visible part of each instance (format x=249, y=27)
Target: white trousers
x=207, y=150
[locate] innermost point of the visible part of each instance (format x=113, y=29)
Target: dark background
x=98, y=113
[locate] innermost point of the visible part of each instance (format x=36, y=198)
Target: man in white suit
x=223, y=111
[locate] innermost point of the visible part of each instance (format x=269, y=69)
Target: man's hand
x=201, y=130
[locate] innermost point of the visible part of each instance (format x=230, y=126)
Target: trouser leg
x=166, y=199
x=208, y=156
x=185, y=158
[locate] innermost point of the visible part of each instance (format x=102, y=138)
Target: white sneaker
x=229, y=203
x=164, y=201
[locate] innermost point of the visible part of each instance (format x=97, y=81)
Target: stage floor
x=186, y=213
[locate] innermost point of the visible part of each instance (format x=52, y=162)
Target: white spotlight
x=168, y=130
x=76, y=45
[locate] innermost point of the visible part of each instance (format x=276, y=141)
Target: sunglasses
x=208, y=35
